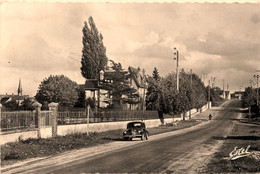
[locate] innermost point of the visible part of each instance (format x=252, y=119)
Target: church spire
x=20, y=90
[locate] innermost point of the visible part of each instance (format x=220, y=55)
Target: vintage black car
x=136, y=130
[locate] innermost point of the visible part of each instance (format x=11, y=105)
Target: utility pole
x=191, y=77
x=209, y=96
x=144, y=83
x=224, y=96
x=191, y=92
x=177, y=67
x=227, y=86
x=250, y=81
x=257, y=97
x=213, y=82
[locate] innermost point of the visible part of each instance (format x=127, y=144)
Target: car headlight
x=124, y=132
x=139, y=131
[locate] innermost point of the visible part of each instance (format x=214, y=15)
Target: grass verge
x=31, y=148
x=242, y=136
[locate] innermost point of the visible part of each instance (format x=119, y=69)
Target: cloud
x=154, y=51
x=211, y=38
x=33, y=53
x=255, y=18
x=29, y=11
x=159, y=46
x=233, y=51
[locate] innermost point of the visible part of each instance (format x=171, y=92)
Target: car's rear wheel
x=142, y=137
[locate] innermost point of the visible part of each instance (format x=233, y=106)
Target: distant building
x=237, y=94
x=227, y=95
x=18, y=98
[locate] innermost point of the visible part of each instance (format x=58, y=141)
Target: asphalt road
x=182, y=153
x=157, y=156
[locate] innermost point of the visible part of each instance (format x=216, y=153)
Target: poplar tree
x=94, y=56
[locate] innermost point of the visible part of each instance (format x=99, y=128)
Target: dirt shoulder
x=245, y=136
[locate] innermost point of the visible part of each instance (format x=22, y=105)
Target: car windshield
x=134, y=125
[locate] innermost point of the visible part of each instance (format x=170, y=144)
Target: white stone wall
x=13, y=137
x=63, y=130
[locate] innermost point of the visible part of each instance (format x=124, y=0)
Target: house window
x=93, y=94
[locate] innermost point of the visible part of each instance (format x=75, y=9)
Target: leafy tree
x=11, y=106
x=58, y=88
x=94, y=56
x=199, y=92
x=215, y=94
x=118, y=85
x=27, y=104
x=153, y=93
x=91, y=102
x=249, y=97
x=156, y=75
x=81, y=97
x=170, y=101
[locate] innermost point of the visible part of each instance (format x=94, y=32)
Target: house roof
x=4, y=99
x=108, y=73
x=91, y=84
x=8, y=98
x=137, y=76
x=134, y=73
x=17, y=97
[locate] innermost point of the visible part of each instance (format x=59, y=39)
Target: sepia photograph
x=107, y=86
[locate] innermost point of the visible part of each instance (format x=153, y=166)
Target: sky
x=40, y=39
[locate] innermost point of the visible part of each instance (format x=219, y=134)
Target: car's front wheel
x=126, y=138
x=147, y=135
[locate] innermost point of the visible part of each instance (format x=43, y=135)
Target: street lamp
x=176, y=57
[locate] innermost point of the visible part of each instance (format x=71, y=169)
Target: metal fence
x=17, y=120
x=27, y=119
x=75, y=117
x=46, y=118
x=70, y=117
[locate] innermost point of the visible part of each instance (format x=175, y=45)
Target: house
x=228, y=95
x=93, y=89
x=137, y=81
x=18, y=98
x=103, y=98
x=237, y=94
